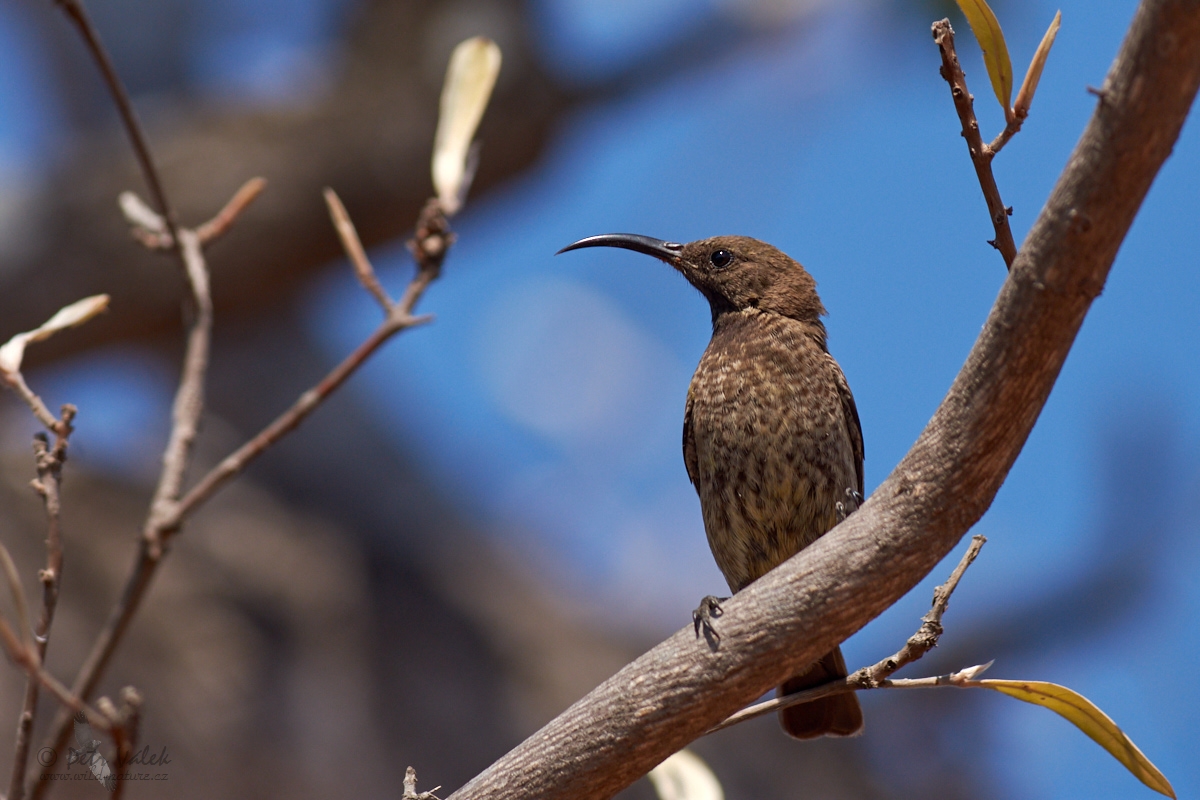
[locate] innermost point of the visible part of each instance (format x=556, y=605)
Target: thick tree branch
x=875, y=676
x=785, y=621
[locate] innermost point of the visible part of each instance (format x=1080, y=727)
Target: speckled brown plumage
x=767, y=441
x=771, y=437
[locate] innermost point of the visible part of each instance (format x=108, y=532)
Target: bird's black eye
x=721, y=258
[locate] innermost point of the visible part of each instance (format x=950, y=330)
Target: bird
x=89, y=753
x=772, y=440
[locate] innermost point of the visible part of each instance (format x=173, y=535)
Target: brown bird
x=771, y=436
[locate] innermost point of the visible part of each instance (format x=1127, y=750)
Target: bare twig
x=17, y=381
x=168, y=513
x=874, y=677
x=1010, y=130
x=189, y=399
x=964, y=678
x=429, y=246
x=76, y=13
x=224, y=219
x=981, y=154
x=188, y=405
x=49, y=468
x=354, y=250
x=410, y=787
x=27, y=659
x=124, y=724
x=926, y=637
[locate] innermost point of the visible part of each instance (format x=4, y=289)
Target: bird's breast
x=773, y=455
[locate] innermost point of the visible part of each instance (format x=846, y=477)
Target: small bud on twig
x=79, y=312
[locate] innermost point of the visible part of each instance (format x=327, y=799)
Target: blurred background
x=493, y=516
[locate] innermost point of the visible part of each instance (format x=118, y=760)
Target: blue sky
x=548, y=396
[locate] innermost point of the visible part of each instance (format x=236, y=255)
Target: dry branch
x=785, y=621
x=49, y=469
x=981, y=154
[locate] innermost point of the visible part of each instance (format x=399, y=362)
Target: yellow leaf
x=995, y=52
x=1080, y=711
x=1034, y=73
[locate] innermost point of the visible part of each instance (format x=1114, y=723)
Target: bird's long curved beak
x=667, y=251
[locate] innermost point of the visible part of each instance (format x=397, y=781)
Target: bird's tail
x=837, y=715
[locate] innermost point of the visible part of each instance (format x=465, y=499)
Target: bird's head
x=734, y=272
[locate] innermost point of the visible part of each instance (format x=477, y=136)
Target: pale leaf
x=1080, y=712
x=470, y=78
x=138, y=213
x=684, y=776
x=995, y=52
x=77, y=313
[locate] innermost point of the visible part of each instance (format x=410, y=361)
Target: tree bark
x=776, y=626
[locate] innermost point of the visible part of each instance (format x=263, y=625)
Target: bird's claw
x=854, y=500
x=702, y=618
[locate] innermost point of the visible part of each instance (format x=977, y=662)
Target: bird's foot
x=702, y=618
x=853, y=500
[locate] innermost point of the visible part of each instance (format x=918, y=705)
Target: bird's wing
x=102, y=772
x=690, y=461
x=83, y=731
x=89, y=745
x=853, y=425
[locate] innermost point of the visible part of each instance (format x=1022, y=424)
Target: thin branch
x=224, y=219
x=1010, y=130
x=964, y=678
x=410, y=788
x=874, y=677
x=49, y=468
x=354, y=250
x=76, y=13
x=125, y=723
x=17, y=381
x=430, y=244
x=799, y=611
x=188, y=405
x=981, y=154
x=926, y=637
x=189, y=399
x=27, y=659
